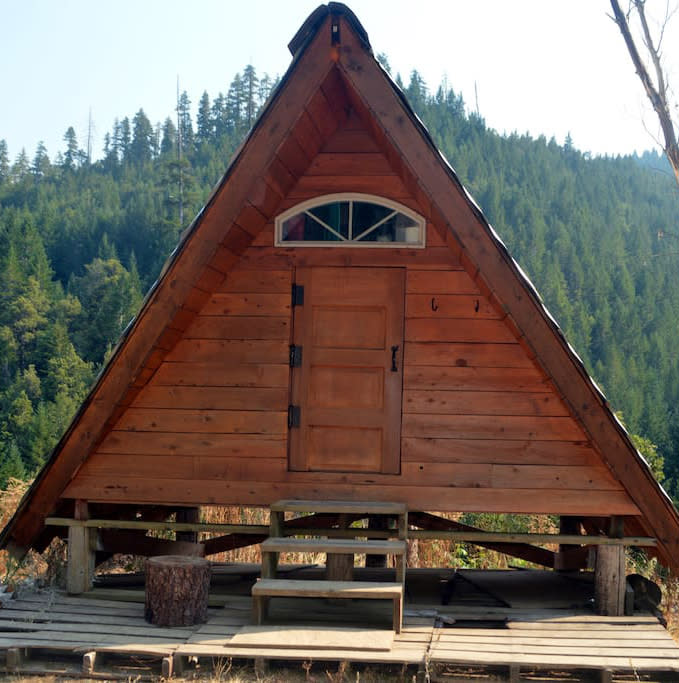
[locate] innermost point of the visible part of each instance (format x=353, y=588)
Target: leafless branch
x=656, y=92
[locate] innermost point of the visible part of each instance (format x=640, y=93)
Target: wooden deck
x=51, y=632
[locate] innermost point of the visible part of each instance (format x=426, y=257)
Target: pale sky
x=539, y=66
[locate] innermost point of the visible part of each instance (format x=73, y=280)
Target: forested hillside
x=81, y=240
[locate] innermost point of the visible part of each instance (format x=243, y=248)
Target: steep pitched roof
x=331, y=49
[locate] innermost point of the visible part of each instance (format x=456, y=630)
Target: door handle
x=394, y=350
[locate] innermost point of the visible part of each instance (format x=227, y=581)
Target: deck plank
x=315, y=638
x=536, y=637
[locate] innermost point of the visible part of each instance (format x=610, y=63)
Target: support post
x=80, y=564
x=190, y=516
x=340, y=567
x=609, y=577
x=14, y=658
x=377, y=523
x=89, y=660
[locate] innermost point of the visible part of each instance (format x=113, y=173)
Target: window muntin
x=350, y=220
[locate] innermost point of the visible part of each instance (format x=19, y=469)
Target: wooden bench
x=271, y=588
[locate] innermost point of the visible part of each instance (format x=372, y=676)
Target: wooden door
x=348, y=386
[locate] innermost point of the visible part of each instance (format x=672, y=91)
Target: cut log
x=177, y=590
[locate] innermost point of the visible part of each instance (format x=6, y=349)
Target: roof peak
x=314, y=21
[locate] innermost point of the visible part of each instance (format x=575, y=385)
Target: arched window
x=350, y=220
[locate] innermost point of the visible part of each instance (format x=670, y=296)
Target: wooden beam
x=322, y=524
x=520, y=550
x=136, y=543
x=481, y=537
x=223, y=544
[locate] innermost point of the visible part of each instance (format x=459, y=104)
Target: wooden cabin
x=341, y=323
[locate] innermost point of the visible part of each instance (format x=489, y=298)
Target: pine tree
x=250, y=89
x=266, y=85
x=235, y=101
x=21, y=167
x=72, y=153
x=168, y=143
x=4, y=162
x=204, y=124
x=124, y=139
x=417, y=90
x=218, y=115
x=185, y=126
x=141, y=147
x=41, y=162
x=11, y=466
x=384, y=61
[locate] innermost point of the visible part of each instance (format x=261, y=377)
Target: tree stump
x=177, y=590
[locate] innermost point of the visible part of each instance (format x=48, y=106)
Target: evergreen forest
x=83, y=238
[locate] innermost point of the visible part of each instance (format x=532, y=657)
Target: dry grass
x=36, y=568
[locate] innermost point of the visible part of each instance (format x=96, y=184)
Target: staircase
x=270, y=586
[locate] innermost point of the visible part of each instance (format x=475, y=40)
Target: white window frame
x=350, y=197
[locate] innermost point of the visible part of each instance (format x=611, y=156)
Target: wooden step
x=326, y=589
x=265, y=589
x=340, y=507
x=333, y=545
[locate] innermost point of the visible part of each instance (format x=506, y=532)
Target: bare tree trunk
x=656, y=92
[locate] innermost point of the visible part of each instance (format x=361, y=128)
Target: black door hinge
x=294, y=416
x=297, y=295
x=295, y=356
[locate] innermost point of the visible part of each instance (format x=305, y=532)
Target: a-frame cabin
x=340, y=322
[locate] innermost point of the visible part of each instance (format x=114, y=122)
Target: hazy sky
x=538, y=66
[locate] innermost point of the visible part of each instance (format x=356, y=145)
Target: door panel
x=349, y=386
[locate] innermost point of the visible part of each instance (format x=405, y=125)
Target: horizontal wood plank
x=212, y=445
x=245, y=327
x=441, y=378
x=460, y=306
x=203, y=421
x=256, y=281
x=327, y=589
x=502, y=427
x=212, y=398
x=292, y=257
x=273, y=469
x=424, y=282
x=333, y=545
x=526, y=452
x=249, y=304
x=350, y=164
x=454, y=330
x=245, y=467
x=228, y=352
x=482, y=403
x=510, y=476
x=312, y=637
x=485, y=354
x=339, y=506
x=441, y=498
x=388, y=185
x=224, y=373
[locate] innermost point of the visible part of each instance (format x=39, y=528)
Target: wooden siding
x=483, y=428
